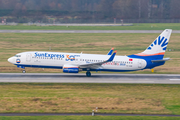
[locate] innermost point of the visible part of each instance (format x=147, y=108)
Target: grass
x=95, y=43
x=87, y=118
x=136, y=26
x=83, y=98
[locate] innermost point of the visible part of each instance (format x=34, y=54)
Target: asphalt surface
x=82, y=114
x=95, y=78
x=85, y=31
x=81, y=78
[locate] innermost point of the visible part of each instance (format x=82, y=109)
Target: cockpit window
x=17, y=55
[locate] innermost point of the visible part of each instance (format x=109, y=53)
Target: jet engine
x=70, y=69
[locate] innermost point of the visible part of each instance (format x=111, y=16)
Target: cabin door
x=139, y=64
x=28, y=57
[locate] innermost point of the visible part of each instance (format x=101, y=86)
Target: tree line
x=92, y=9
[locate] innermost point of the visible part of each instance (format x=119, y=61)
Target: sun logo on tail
x=159, y=43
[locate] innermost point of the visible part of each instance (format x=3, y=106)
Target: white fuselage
x=75, y=62
x=59, y=59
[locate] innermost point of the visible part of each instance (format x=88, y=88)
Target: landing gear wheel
x=88, y=74
x=24, y=71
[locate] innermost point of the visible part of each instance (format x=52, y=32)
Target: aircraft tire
x=24, y=71
x=88, y=74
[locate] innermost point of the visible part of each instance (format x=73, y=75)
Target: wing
x=97, y=64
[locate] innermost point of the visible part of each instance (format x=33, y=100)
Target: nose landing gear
x=24, y=71
x=88, y=74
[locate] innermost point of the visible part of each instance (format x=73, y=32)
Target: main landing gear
x=88, y=74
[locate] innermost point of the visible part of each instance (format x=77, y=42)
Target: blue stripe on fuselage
x=40, y=66
x=60, y=67
x=110, y=70
x=148, y=59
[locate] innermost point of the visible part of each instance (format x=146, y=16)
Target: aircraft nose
x=11, y=60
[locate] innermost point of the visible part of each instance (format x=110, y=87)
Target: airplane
x=77, y=62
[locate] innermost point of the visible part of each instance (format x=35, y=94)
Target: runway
x=95, y=78
x=85, y=31
x=84, y=114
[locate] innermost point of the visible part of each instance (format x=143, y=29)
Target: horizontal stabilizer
x=164, y=59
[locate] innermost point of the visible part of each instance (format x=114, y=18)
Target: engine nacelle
x=70, y=69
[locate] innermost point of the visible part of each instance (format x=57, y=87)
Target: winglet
x=110, y=52
x=112, y=57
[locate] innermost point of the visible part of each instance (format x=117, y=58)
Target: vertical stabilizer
x=158, y=46
x=154, y=54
